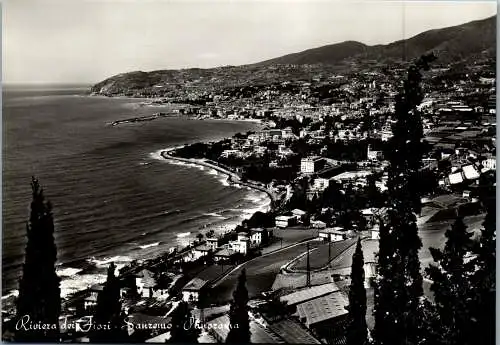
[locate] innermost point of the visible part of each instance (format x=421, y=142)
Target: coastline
x=232, y=177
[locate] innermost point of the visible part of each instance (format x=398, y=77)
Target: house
x=231, y=153
x=292, y=332
x=307, y=294
x=147, y=286
x=310, y=165
x=91, y=300
x=284, y=221
x=489, y=164
x=192, y=290
x=256, y=236
x=320, y=184
x=287, y=133
x=259, y=334
x=456, y=178
x=318, y=224
x=373, y=155
x=298, y=214
x=325, y=314
x=470, y=172
x=351, y=175
x=213, y=243
x=375, y=232
x=332, y=234
x=200, y=251
x=241, y=244
x=224, y=254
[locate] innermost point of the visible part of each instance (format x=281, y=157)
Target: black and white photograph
x=249, y=171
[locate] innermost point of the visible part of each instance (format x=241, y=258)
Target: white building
x=147, y=286
x=241, y=245
x=311, y=165
x=320, y=184
x=298, y=214
x=213, y=243
x=256, y=236
x=91, y=300
x=287, y=133
x=332, y=234
x=351, y=175
x=318, y=224
x=284, y=221
x=373, y=155
x=489, y=164
x=201, y=251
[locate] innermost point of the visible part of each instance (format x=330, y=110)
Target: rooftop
x=298, y=280
x=309, y=293
x=203, y=248
x=334, y=230
x=323, y=308
x=293, y=332
x=226, y=252
x=259, y=334
x=195, y=284
x=348, y=175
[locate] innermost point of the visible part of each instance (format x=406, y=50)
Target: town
x=321, y=156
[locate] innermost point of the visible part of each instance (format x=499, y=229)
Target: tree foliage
x=398, y=313
x=357, y=329
x=109, y=311
x=182, y=332
x=451, y=279
x=238, y=313
x=39, y=291
x=484, y=280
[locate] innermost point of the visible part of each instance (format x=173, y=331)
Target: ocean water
x=114, y=198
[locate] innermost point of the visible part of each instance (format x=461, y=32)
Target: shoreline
x=164, y=154
x=232, y=177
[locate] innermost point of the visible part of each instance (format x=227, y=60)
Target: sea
x=115, y=199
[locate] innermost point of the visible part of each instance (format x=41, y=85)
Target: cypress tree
x=39, y=297
x=108, y=313
x=238, y=313
x=483, y=280
x=357, y=330
x=183, y=331
x=399, y=296
x=383, y=290
x=451, y=286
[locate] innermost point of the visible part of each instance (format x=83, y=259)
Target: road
x=261, y=272
x=431, y=234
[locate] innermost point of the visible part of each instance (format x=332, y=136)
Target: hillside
x=453, y=44
x=450, y=44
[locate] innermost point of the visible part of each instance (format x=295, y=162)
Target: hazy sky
x=89, y=40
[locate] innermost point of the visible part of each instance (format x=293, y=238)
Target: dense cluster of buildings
x=302, y=120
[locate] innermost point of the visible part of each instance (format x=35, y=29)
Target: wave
x=149, y=245
x=68, y=271
x=108, y=260
x=183, y=234
x=72, y=284
x=215, y=214
x=224, y=182
x=213, y=172
x=10, y=294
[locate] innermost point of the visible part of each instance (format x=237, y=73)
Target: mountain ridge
x=471, y=40
x=405, y=49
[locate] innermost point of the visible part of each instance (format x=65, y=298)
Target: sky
x=86, y=41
